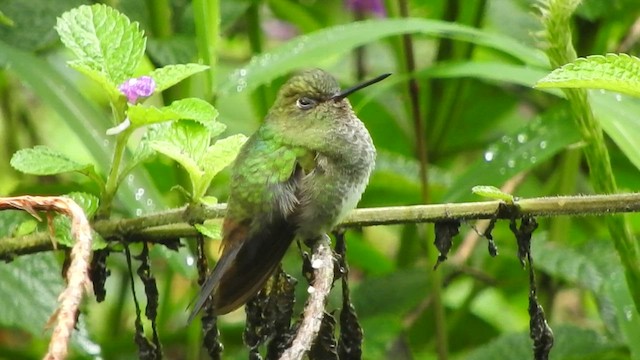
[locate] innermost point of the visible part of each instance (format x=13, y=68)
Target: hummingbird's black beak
x=343, y=94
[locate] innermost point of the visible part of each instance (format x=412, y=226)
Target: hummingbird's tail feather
x=255, y=262
x=212, y=281
x=245, y=266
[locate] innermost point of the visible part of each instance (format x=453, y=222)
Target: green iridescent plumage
x=297, y=176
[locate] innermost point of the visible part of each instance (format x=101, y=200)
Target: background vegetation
x=469, y=117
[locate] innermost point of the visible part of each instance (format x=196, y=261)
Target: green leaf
x=217, y=157
x=521, y=150
x=41, y=160
x=305, y=51
x=106, y=43
x=596, y=267
x=492, y=192
x=210, y=229
x=62, y=224
x=618, y=115
x=185, y=142
x=184, y=109
x=615, y=72
x=570, y=342
x=6, y=21
x=170, y=75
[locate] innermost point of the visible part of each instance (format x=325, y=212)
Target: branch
x=77, y=273
x=322, y=263
x=159, y=227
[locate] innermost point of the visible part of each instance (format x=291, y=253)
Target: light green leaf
x=620, y=73
x=41, y=160
x=209, y=200
x=304, y=51
x=186, y=142
x=6, y=21
x=103, y=40
x=217, y=157
x=492, y=192
x=101, y=78
x=184, y=109
x=210, y=229
x=170, y=75
x=26, y=227
x=176, y=153
x=62, y=224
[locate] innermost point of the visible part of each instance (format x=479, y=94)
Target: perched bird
x=297, y=175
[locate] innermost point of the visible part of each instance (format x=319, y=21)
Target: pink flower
x=372, y=6
x=135, y=88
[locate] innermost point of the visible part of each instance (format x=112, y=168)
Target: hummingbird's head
x=314, y=95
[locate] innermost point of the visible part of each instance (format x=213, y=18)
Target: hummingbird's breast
x=335, y=185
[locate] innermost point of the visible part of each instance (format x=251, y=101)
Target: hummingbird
x=298, y=175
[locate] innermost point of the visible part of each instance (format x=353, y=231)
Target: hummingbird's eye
x=305, y=103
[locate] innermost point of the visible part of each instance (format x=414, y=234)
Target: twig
x=171, y=224
x=322, y=263
x=469, y=243
x=77, y=273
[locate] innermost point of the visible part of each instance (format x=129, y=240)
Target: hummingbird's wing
x=257, y=230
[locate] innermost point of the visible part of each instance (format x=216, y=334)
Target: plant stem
x=556, y=16
x=259, y=97
x=175, y=223
x=207, y=21
x=423, y=158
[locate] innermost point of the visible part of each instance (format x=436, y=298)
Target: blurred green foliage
x=476, y=62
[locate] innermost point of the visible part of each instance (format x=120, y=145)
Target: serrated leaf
x=109, y=86
x=176, y=153
x=104, y=40
x=210, y=229
x=170, y=75
x=62, y=223
x=492, y=192
x=42, y=160
x=186, y=142
x=615, y=72
x=217, y=157
x=184, y=109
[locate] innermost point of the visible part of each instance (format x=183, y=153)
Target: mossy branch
x=159, y=227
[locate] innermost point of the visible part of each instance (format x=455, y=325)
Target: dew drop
x=618, y=97
x=190, y=260
x=543, y=144
x=130, y=179
x=139, y=194
x=511, y=163
x=138, y=212
x=533, y=159
x=489, y=155
x=628, y=312
x=603, y=91
x=522, y=138
x=502, y=171
x=525, y=155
